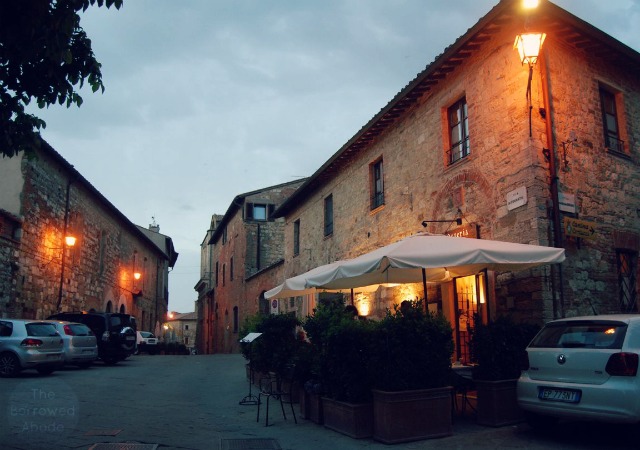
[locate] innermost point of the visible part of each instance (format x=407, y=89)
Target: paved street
x=192, y=402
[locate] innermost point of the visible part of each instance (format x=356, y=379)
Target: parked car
x=115, y=332
x=29, y=344
x=79, y=343
x=583, y=368
x=146, y=342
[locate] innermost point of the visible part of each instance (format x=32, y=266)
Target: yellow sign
x=579, y=228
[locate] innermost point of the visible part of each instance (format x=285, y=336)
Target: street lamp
x=529, y=46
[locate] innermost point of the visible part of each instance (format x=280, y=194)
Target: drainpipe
x=558, y=310
x=64, y=248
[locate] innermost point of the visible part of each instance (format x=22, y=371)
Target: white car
x=583, y=368
x=146, y=342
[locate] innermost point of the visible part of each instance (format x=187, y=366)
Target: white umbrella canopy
x=297, y=285
x=438, y=256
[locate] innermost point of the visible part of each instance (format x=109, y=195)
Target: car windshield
x=581, y=334
x=146, y=334
x=41, y=329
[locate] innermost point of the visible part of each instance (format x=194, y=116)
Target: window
x=296, y=237
x=458, y=122
x=259, y=211
x=610, y=121
x=627, y=264
x=236, y=320
x=328, y=215
x=224, y=235
x=224, y=273
x=217, y=272
x=231, y=269
x=377, y=184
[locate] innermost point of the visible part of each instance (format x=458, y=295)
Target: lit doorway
x=470, y=300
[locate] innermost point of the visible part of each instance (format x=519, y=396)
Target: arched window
x=109, y=306
x=122, y=309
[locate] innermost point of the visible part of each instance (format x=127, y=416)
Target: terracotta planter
x=352, y=419
x=411, y=415
x=498, y=403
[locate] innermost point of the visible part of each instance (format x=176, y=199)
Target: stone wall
x=98, y=269
x=419, y=185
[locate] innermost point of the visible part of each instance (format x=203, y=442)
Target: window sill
x=619, y=154
x=458, y=163
x=377, y=209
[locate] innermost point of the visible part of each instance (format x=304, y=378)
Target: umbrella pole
x=424, y=287
x=352, y=297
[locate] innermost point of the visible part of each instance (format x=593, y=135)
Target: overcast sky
x=208, y=99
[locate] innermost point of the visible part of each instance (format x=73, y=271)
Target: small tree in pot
x=499, y=349
x=410, y=371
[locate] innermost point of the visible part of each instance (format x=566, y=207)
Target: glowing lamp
x=70, y=241
x=137, y=275
x=529, y=45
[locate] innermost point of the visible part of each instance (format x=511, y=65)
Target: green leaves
x=44, y=55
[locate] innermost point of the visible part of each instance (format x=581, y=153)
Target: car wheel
x=46, y=370
x=9, y=365
x=540, y=422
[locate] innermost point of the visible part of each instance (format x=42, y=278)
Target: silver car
x=80, y=344
x=583, y=368
x=29, y=344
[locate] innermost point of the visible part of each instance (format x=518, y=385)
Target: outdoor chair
x=280, y=388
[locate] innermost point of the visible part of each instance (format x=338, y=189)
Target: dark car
x=115, y=332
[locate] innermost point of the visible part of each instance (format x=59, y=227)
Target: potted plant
x=410, y=370
x=498, y=348
x=347, y=404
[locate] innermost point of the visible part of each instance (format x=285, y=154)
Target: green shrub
x=413, y=349
x=499, y=348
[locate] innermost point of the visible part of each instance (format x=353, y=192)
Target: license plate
x=559, y=395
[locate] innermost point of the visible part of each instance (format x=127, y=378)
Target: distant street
x=192, y=402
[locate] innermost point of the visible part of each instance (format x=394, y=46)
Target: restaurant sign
x=468, y=231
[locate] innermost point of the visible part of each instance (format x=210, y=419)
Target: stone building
x=242, y=257
x=181, y=328
x=538, y=152
x=113, y=265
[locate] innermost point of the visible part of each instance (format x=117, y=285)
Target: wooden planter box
x=412, y=415
x=315, y=408
x=498, y=403
x=351, y=419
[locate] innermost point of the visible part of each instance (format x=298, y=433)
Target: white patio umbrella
x=430, y=257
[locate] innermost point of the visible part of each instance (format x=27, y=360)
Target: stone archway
x=108, y=307
x=470, y=192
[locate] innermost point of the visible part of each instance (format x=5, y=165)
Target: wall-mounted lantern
x=529, y=46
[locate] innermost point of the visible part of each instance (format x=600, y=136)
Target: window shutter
x=270, y=209
x=248, y=211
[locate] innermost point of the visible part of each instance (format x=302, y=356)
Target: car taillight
x=623, y=364
x=105, y=336
x=31, y=342
x=67, y=330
